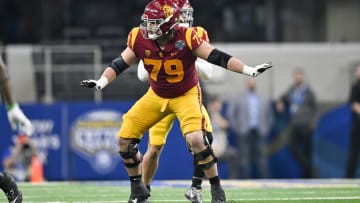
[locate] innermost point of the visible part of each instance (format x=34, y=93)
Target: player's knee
x=129, y=152
x=205, y=159
x=154, y=151
x=123, y=144
x=195, y=141
x=198, y=141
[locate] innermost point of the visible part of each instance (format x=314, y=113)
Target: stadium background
x=50, y=47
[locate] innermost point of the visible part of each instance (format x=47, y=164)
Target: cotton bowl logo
x=94, y=137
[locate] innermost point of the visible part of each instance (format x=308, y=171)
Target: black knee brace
x=131, y=152
x=209, y=138
x=203, y=155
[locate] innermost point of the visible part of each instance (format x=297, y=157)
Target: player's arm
x=217, y=57
x=204, y=68
x=5, y=85
x=17, y=118
x=117, y=66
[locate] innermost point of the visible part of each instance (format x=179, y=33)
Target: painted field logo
x=94, y=137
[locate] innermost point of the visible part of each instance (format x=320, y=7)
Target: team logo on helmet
x=168, y=11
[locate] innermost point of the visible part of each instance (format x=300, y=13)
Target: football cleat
x=8, y=185
x=194, y=195
x=139, y=193
x=14, y=196
x=218, y=194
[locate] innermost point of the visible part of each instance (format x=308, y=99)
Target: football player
x=18, y=121
x=159, y=132
x=169, y=53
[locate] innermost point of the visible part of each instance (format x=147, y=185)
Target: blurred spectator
x=17, y=159
x=251, y=118
x=354, y=101
x=222, y=150
x=301, y=101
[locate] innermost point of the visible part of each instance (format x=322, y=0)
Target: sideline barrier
x=77, y=141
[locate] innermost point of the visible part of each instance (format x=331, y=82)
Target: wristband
x=118, y=65
x=247, y=70
x=102, y=82
x=10, y=106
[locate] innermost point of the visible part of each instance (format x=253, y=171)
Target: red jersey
x=171, y=69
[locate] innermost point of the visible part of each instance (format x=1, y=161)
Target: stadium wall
x=77, y=141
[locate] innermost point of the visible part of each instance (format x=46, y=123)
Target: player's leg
x=189, y=112
x=150, y=164
x=157, y=138
x=11, y=190
x=205, y=158
x=194, y=192
x=135, y=123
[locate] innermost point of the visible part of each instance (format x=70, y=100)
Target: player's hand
x=261, y=68
x=90, y=83
x=98, y=84
x=257, y=70
x=19, y=121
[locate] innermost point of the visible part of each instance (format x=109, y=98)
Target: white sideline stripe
x=298, y=198
x=242, y=199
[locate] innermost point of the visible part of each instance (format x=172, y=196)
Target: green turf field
x=269, y=191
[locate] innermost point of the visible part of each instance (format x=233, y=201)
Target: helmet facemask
x=186, y=18
x=151, y=27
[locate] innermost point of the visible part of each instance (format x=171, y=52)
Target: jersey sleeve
x=202, y=33
x=193, y=40
x=132, y=37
